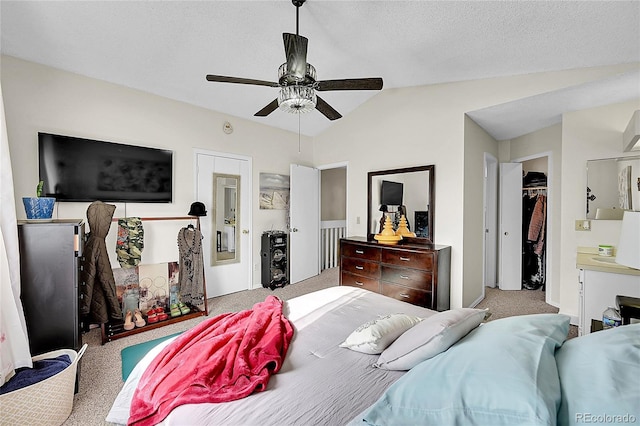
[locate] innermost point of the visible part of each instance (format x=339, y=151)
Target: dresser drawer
x=360, y=267
x=414, y=278
x=360, y=251
x=408, y=259
x=406, y=294
x=360, y=281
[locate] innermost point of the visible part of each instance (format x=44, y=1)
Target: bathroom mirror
x=613, y=185
x=225, y=216
x=415, y=187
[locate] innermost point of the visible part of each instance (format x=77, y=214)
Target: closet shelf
x=114, y=330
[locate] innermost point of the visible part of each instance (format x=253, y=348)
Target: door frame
x=490, y=209
x=246, y=186
x=339, y=165
x=549, y=233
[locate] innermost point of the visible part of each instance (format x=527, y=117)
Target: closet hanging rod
x=533, y=187
x=147, y=219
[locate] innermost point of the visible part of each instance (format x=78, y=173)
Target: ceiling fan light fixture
x=297, y=99
x=285, y=77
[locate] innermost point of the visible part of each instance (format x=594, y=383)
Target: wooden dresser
x=414, y=273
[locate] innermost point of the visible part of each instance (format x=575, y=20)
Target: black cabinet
x=275, y=271
x=50, y=255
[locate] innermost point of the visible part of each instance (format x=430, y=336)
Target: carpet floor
x=101, y=368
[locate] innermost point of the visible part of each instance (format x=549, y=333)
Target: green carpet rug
x=131, y=355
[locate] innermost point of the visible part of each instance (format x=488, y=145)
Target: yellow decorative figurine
x=403, y=229
x=387, y=236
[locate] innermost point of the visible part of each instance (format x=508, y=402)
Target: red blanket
x=225, y=358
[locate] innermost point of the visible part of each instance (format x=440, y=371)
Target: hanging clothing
x=99, y=300
x=534, y=212
x=130, y=241
x=191, y=265
x=538, y=223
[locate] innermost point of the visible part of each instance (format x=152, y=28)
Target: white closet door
x=510, y=226
x=304, y=240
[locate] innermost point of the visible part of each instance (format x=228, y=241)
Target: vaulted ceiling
x=167, y=48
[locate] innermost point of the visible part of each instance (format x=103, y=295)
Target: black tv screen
x=76, y=169
x=391, y=193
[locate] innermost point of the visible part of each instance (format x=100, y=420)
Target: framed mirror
x=225, y=219
x=613, y=185
x=411, y=189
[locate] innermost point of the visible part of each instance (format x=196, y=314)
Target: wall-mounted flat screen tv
x=76, y=169
x=391, y=193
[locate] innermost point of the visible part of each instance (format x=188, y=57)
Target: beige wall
x=39, y=98
x=477, y=142
x=586, y=135
x=537, y=164
x=396, y=128
x=333, y=203
x=426, y=125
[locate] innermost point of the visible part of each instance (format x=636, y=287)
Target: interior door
x=304, y=219
x=510, y=246
x=226, y=228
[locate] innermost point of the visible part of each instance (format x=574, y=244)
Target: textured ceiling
x=167, y=48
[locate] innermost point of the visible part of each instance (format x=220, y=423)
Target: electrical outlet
x=583, y=225
x=357, y=220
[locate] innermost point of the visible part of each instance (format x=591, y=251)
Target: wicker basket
x=48, y=402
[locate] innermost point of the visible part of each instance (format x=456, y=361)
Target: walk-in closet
x=534, y=223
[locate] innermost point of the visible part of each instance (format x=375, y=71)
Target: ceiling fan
x=297, y=80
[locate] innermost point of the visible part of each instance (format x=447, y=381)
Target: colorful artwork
x=146, y=286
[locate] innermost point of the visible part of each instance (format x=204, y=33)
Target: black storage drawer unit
x=50, y=259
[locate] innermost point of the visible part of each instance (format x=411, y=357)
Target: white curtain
x=14, y=343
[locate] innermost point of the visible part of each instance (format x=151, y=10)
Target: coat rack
x=114, y=330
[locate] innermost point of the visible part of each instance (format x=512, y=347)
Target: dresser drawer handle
x=360, y=268
x=404, y=277
x=404, y=295
x=406, y=259
x=359, y=283
x=359, y=251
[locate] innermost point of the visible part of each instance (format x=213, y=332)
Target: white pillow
x=433, y=335
x=374, y=336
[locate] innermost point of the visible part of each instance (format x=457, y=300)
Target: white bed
x=512, y=371
x=319, y=383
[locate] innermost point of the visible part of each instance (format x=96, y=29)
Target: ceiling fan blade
x=224, y=79
x=350, y=84
x=268, y=109
x=295, y=50
x=326, y=109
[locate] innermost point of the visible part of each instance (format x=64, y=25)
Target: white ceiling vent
x=631, y=135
